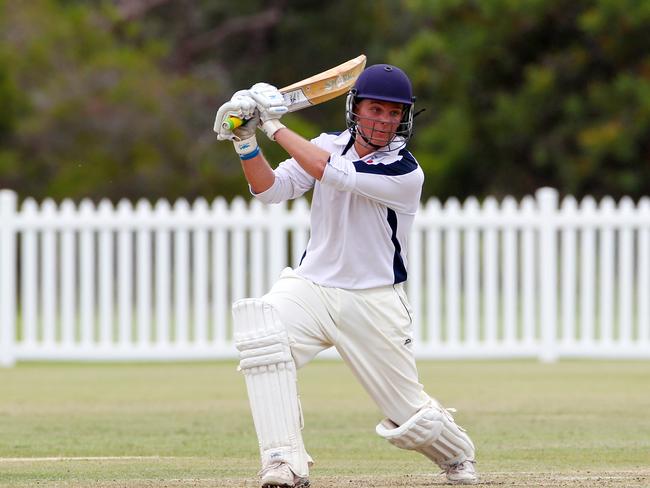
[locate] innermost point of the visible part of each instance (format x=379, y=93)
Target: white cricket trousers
x=371, y=330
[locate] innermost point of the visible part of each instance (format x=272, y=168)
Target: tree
x=115, y=98
x=101, y=117
x=531, y=93
x=120, y=96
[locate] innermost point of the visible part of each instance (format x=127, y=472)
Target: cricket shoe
x=280, y=475
x=461, y=473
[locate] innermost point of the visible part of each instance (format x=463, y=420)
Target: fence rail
x=535, y=278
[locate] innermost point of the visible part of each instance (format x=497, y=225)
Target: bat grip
x=232, y=123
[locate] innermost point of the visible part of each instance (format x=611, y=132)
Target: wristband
x=250, y=155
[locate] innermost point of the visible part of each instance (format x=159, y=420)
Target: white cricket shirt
x=361, y=213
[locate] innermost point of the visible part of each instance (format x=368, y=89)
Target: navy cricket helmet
x=386, y=83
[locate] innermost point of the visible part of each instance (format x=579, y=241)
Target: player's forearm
x=258, y=173
x=310, y=157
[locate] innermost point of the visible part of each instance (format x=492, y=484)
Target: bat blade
x=323, y=86
x=316, y=89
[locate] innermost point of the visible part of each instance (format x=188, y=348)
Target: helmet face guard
x=387, y=83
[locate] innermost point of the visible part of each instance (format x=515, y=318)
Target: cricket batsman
x=348, y=291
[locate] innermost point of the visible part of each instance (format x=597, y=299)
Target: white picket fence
x=502, y=279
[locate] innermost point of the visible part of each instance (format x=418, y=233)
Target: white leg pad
x=271, y=381
x=432, y=432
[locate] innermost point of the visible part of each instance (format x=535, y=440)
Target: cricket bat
x=316, y=89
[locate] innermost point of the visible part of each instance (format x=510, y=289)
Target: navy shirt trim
x=399, y=270
x=405, y=165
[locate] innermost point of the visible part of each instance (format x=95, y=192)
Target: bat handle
x=232, y=123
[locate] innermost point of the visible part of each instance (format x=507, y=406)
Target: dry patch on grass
x=578, y=479
x=581, y=479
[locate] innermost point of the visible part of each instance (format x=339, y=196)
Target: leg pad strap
x=264, y=350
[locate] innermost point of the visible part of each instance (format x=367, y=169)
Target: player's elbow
x=319, y=168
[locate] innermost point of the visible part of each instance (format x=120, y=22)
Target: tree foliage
x=116, y=98
x=531, y=93
x=102, y=117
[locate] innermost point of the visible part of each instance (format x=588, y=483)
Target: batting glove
x=242, y=106
x=271, y=105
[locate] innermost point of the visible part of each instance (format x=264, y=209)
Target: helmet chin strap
x=367, y=141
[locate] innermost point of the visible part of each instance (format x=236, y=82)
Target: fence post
x=547, y=199
x=278, y=230
x=8, y=204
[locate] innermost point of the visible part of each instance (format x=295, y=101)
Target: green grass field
x=574, y=423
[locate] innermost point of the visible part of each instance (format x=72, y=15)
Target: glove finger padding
x=247, y=104
x=241, y=106
x=271, y=104
x=269, y=101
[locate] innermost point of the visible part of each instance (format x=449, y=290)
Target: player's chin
x=381, y=141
